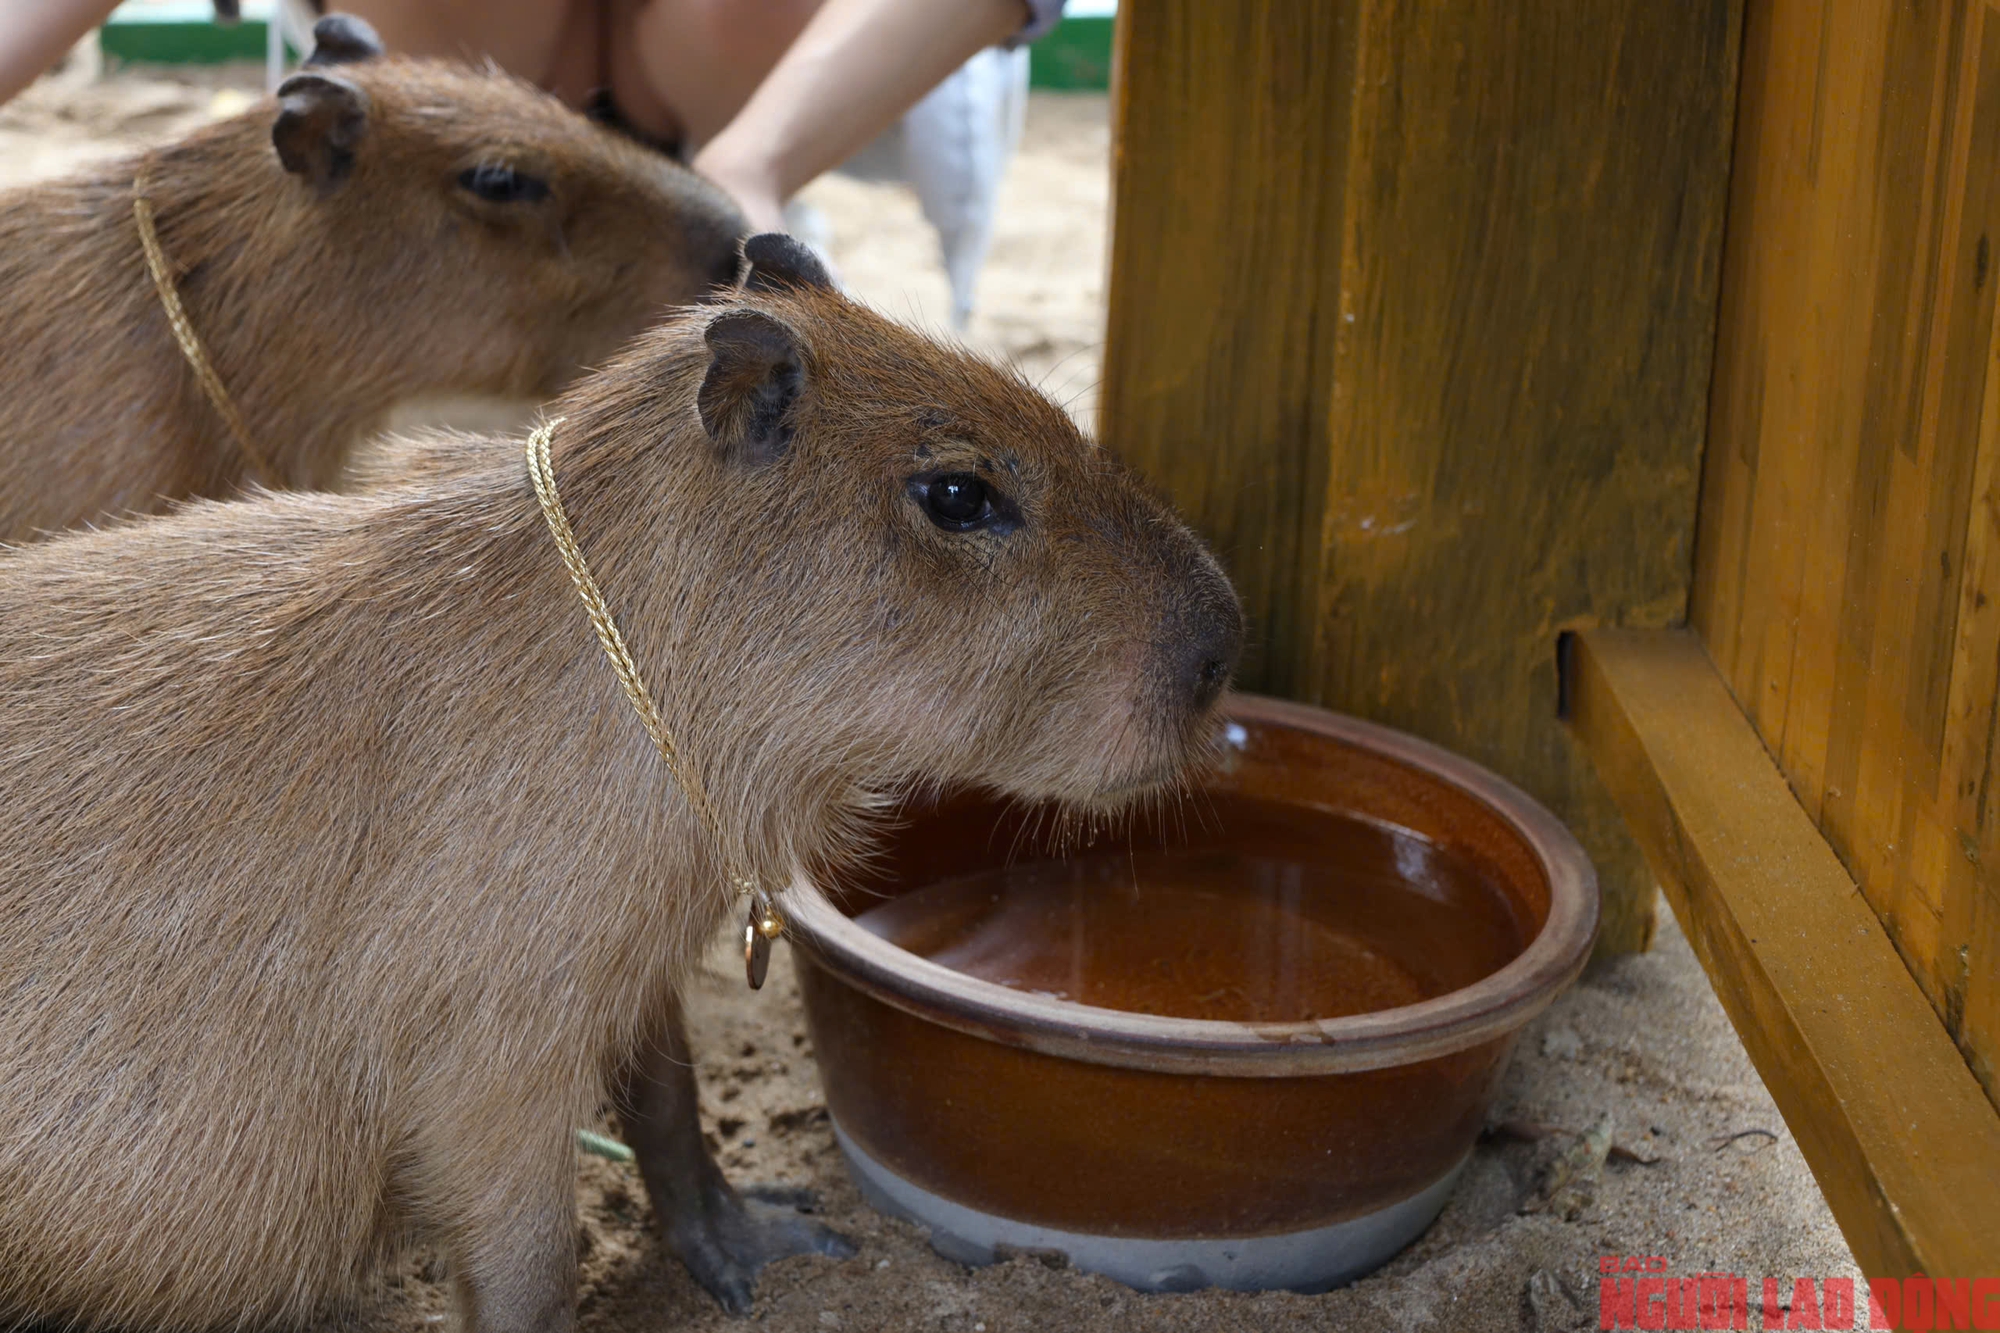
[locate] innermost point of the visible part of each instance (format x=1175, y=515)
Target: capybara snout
x=1204, y=635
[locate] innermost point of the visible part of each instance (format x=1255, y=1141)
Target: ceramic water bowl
x=1315, y=968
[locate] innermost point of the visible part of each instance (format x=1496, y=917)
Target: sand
x=1641, y=1039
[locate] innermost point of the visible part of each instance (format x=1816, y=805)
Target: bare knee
x=746, y=34
x=521, y=36
x=706, y=57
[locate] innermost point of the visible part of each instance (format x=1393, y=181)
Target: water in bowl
x=1265, y=914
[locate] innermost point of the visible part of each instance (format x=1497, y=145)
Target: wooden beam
x=1897, y=1131
x=1411, y=310
x=1230, y=131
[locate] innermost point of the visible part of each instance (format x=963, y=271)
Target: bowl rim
x=1490, y=1009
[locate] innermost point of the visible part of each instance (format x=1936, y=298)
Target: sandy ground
x=1641, y=1039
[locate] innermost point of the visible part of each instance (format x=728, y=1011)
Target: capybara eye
x=503, y=185
x=957, y=501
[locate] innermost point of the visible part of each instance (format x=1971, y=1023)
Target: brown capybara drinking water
x=385, y=229
x=338, y=880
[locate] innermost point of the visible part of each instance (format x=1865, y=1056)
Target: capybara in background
x=385, y=229
x=339, y=881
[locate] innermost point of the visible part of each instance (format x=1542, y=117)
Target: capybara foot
x=727, y=1238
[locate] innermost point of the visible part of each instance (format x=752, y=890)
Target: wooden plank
x=1812, y=445
x=1972, y=891
x=1776, y=149
x=1950, y=707
x=1910, y=116
x=1526, y=182
x=1895, y=1128
x=1955, y=389
x=1230, y=131
x=1927, y=867
x=1844, y=568
x=1875, y=764
x=1411, y=306
x=1972, y=897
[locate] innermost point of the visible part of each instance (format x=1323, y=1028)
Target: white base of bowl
x=1307, y=1261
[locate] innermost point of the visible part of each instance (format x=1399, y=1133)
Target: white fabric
x=953, y=148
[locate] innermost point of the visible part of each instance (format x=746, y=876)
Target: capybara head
x=905, y=553
x=384, y=231
x=530, y=238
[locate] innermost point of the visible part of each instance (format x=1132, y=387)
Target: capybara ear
x=778, y=261
x=756, y=375
x=322, y=119
x=342, y=39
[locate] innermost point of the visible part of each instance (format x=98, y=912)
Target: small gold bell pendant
x=763, y=926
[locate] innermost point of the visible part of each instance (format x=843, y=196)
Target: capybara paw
x=729, y=1244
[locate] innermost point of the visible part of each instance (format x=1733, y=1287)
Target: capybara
x=339, y=881
x=385, y=229
x=635, y=234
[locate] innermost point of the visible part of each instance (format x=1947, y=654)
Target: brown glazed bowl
x=1175, y=1153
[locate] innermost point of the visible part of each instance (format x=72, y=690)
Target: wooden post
x=1411, y=310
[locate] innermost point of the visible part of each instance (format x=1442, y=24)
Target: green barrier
x=182, y=32
x=1075, y=56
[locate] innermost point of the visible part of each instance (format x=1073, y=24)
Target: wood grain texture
x=1894, y=1126
x=1230, y=142
x=1846, y=569
x=1411, y=308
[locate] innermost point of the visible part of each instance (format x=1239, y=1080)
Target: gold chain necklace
x=764, y=924
x=184, y=334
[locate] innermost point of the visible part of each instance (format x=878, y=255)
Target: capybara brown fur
x=339, y=881
x=384, y=229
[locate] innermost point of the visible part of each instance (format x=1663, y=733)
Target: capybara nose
x=1214, y=643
